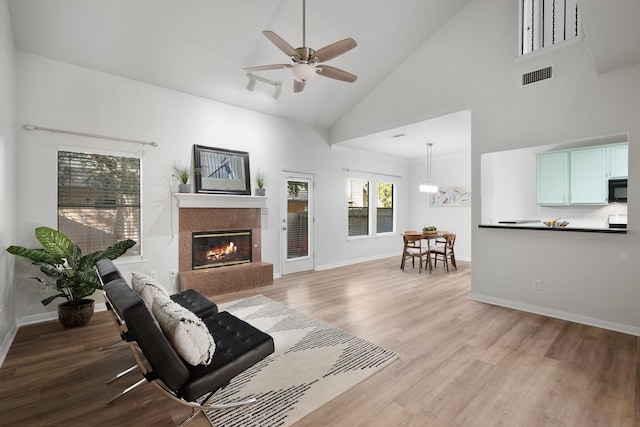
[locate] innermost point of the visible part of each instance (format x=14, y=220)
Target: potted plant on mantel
x=74, y=275
x=261, y=182
x=182, y=172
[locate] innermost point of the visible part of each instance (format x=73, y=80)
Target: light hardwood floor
x=461, y=363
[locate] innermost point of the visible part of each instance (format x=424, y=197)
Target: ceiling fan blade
x=268, y=67
x=335, y=49
x=335, y=73
x=281, y=43
x=298, y=86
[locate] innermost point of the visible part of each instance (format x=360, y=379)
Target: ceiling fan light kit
x=303, y=72
x=306, y=61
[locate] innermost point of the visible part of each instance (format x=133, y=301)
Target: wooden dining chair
x=445, y=252
x=413, y=249
x=414, y=244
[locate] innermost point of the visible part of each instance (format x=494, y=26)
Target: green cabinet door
x=589, y=176
x=619, y=160
x=552, y=174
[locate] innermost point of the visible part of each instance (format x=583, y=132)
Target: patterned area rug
x=313, y=362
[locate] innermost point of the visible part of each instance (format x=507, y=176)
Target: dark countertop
x=542, y=227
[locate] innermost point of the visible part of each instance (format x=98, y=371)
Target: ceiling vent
x=537, y=75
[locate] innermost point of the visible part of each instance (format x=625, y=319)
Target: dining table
x=428, y=236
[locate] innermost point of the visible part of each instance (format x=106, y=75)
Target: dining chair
x=411, y=232
x=445, y=252
x=413, y=249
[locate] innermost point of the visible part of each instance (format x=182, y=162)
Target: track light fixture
x=252, y=84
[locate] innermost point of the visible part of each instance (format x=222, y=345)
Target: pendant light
x=429, y=186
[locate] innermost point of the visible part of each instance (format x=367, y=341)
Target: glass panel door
x=297, y=223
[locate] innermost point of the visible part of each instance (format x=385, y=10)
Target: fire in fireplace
x=219, y=248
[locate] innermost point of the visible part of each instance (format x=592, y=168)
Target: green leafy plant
x=73, y=274
x=261, y=178
x=182, y=172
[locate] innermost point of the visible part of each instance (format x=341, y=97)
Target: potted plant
x=74, y=276
x=182, y=172
x=261, y=181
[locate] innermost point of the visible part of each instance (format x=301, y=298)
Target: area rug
x=313, y=362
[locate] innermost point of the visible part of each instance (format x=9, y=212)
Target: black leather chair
x=238, y=347
x=189, y=299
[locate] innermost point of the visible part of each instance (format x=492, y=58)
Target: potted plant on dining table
x=74, y=276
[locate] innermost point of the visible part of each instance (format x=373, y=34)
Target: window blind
x=358, y=206
x=99, y=199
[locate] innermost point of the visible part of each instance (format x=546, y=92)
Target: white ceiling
x=200, y=47
x=450, y=135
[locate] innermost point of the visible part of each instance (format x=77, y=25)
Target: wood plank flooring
x=461, y=363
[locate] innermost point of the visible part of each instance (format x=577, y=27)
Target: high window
x=547, y=22
x=367, y=211
x=99, y=199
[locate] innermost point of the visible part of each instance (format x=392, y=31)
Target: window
x=99, y=199
x=367, y=213
x=358, y=191
x=384, y=211
x=547, y=22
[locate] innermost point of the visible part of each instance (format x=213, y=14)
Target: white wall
x=472, y=64
x=7, y=189
x=446, y=171
x=59, y=95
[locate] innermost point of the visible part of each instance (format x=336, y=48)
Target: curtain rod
x=91, y=135
x=373, y=173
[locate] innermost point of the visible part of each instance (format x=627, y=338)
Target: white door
x=296, y=222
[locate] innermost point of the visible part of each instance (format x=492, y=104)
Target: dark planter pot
x=75, y=315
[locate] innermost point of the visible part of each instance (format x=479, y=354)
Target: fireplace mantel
x=197, y=200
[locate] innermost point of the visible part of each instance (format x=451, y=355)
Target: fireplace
x=200, y=215
x=212, y=249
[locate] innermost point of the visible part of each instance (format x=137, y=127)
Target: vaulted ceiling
x=200, y=47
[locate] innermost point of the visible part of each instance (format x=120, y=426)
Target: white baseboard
x=356, y=261
x=6, y=343
x=52, y=315
x=557, y=314
x=29, y=320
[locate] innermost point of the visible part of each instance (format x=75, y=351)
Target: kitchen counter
x=539, y=226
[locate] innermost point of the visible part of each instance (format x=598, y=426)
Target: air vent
x=537, y=75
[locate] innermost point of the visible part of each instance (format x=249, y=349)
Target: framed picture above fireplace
x=221, y=171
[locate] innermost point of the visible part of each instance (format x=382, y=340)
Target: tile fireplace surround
x=205, y=212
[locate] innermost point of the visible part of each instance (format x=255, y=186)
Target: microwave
x=618, y=190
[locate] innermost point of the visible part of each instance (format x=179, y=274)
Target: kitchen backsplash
x=583, y=216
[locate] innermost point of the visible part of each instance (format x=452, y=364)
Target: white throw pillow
x=147, y=287
x=186, y=332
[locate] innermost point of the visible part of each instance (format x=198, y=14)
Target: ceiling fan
x=306, y=61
